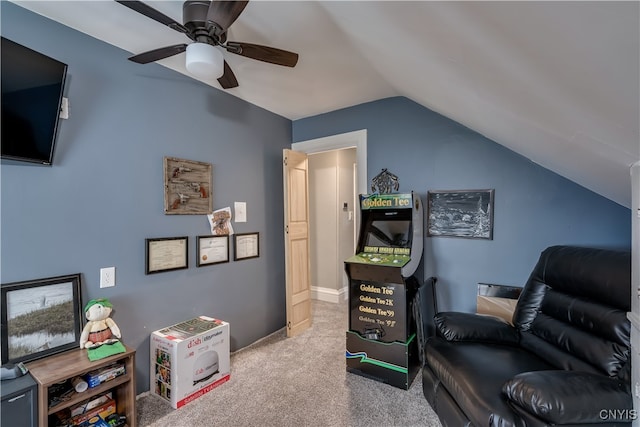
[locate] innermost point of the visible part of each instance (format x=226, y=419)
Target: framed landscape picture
x=40, y=317
x=460, y=213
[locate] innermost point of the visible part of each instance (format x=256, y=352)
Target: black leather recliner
x=565, y=361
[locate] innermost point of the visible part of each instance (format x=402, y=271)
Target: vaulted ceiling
x=557, y=82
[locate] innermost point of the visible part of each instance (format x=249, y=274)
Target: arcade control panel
x=384, y=259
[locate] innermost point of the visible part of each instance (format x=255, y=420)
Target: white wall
x=346, y=218
x=331, y=183
x=323, y=182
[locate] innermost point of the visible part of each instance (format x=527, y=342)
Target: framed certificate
x=212, y=250
x=166, y=254
x=246, y=245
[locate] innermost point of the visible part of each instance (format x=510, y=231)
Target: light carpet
x=300, y=381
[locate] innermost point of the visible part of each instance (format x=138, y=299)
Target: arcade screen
x=387, y=230
x=392, y=234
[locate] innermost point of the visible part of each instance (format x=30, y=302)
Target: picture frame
x=40, y=317
x=166, y=254
x=188, y=187
x=246, y=246
x=460, y=213
x=211, y=250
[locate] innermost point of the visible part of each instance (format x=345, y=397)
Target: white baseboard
x=328, y=294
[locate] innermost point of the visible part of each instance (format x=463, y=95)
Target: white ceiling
x=557, y=82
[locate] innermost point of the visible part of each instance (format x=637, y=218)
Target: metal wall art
x=385, y=182
x=188, y=187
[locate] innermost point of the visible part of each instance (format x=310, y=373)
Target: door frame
x=356, y=139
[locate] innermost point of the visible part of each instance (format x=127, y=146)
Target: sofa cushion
x=474, y=374
x=559, y=397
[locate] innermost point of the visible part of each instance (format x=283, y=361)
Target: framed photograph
x=40, y=317
x=166, y=254
x=188, y=187
x=460, y=213
x=212, y=250
x=246, y=245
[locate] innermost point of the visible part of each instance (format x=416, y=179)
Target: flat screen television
x=32, y=87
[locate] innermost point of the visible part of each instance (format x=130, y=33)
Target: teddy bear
x=100, y=328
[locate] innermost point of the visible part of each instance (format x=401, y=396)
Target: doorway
x=337, y=174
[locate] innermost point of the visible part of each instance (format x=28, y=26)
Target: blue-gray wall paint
x=104, y=194
x=534, y=207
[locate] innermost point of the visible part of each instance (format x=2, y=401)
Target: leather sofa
x=565, y=360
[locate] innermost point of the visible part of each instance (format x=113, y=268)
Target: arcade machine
x=384, y=277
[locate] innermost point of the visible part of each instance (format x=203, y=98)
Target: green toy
x=100, y=335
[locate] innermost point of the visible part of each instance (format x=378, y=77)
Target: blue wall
x=534, y=208
x=104, y=194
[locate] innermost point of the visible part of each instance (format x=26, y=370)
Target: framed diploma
x=212, y=250
x=246, y=245
x=166, y=254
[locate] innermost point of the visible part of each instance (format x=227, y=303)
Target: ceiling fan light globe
x=204, y=61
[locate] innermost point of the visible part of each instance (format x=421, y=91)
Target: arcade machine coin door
x=384, y=276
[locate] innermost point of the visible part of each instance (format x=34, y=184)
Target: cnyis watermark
x=618, y=414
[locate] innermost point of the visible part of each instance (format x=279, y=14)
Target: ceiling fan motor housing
x=194, y=17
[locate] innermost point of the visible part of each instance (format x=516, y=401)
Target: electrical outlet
x=107, y=277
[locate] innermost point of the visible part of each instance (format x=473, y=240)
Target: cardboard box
x=189, y=359
x=104, y=410
x=89, y=404
x=497, y=300
x=95, y=378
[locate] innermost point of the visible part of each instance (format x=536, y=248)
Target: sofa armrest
x=458, y=326
x=570, y=397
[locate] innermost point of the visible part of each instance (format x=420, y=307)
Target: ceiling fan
x=206, y=24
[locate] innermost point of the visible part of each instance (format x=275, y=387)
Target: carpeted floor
x=299, y=381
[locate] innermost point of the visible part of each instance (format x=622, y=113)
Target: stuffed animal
x=100, y=328
x=100, y=335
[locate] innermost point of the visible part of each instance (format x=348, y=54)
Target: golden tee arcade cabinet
x=381, y=340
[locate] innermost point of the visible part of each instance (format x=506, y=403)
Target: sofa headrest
x=599, y=275
x=573, y=309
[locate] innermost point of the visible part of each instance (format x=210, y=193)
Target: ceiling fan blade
x=150, y=12
x=158, y=54
x=263, y=53
x=228, y=79
x=224, y=13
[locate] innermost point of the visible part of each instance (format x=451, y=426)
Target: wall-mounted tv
x=32, y=87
